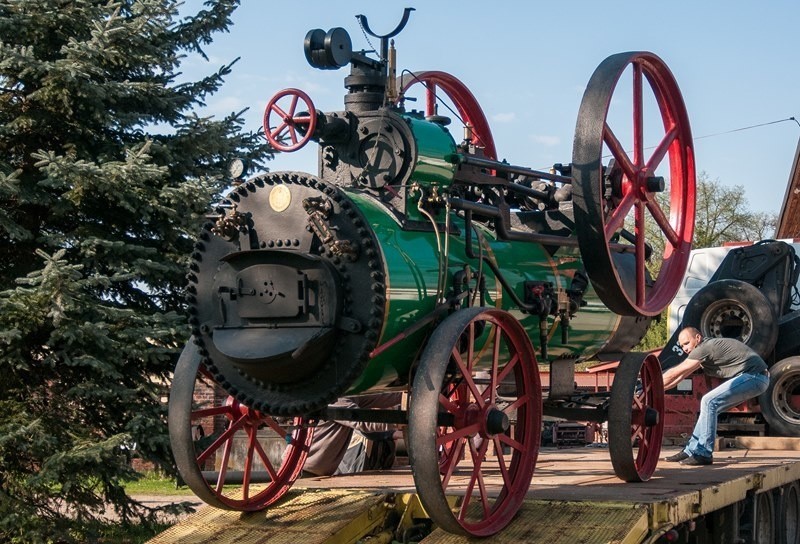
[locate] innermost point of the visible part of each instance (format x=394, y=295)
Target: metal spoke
x=616, y=219
x=463, y=432
x=661, y=149
x=458, y=448
x=226, y=435
x=208, y=412
x=619, y=153
x=663, y=223
x=501, y=460
x=467, y=374
x=223, y=467
x=638, y=117
x=640, y=253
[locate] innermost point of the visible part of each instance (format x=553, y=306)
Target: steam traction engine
x=416, y=263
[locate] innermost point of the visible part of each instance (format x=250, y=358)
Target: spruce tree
x=105, y=174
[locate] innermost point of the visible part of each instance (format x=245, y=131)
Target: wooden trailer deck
x=574, y=497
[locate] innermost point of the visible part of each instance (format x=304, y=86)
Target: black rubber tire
x=734, y=309
x=783, y=418
x=788, y=512
x=765, y=530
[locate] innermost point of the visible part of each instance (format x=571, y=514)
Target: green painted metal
x=434, y=166
x=435, y=148
x=412, y=272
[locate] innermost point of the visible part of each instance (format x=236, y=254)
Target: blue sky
x=528, y=64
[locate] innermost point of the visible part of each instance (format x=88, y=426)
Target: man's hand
x=673, y=376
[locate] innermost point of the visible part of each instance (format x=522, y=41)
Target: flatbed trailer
x=749, y=494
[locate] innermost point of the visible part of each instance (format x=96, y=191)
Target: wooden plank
x=568, y=482
x=768, y=443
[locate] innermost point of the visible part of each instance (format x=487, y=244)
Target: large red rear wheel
x=629, y=185
x=464, y=101
x=464, y=440
x=211, y=434
x=636, y=417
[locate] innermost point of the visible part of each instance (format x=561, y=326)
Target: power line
x=725, y=132
x=748, y=128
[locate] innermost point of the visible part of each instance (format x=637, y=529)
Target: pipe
x=510, y=168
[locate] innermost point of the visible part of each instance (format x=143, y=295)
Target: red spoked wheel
x=499, y=437
x=636, y=417
x=211, y=436
x=629, y=186
x=282, y=120
x=465, y=102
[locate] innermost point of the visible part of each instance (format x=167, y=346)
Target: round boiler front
x=286, y=293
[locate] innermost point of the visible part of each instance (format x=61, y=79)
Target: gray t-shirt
x=726, y=358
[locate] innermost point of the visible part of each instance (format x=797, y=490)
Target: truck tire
x=780, y=403
x=734, y=309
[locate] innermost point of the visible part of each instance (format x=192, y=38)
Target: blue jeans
x=726, y=395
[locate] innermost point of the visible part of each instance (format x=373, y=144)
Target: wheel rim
x=785, y=397
x=636, y=417
x=605, y=197
x=465, y=102
x=225, y=422
x=474, y=421
x=281, y=119
x=727, y=319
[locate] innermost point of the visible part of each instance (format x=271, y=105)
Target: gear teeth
x=345, y=362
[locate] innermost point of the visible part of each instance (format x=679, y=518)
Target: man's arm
x=674, y=375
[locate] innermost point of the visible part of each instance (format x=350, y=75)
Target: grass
x=153, y=483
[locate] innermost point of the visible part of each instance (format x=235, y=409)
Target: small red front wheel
x=230, y=456
x=282, y=120
x=636, y=417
